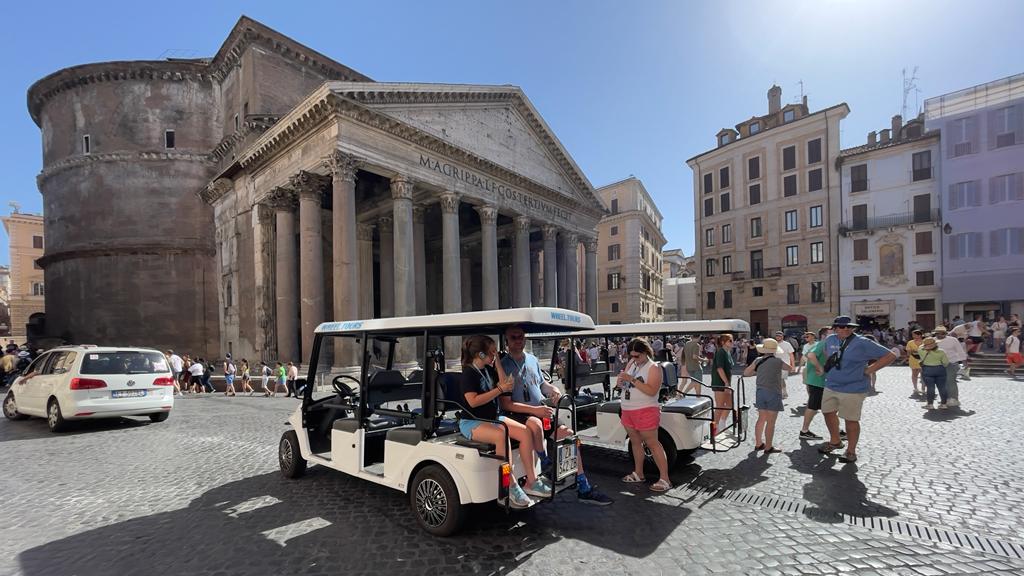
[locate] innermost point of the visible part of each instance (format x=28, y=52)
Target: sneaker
x=809, y=436
x=941, y=406
x=518, y=498
x=952, y=402
x=539, y=488
x=593, y=497
x=931, y=406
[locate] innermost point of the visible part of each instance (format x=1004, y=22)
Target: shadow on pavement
x=36, y=428
x=328, y=522
x=833, y=491
x=946, y=415
x=747, y=473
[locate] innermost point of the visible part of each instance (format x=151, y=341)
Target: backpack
x=231, y=368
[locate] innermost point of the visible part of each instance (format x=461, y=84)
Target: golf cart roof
x=534, y=321
x=664, y=328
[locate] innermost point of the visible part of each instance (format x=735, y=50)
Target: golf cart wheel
x=289, y=455
x=435, y=501
x=671, y=455
x=11, y=408
x=159, y=416
x=54, y=418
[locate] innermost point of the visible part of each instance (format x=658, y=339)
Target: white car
x=79, y=382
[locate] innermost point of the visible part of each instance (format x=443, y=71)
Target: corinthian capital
x=522, y=225
x=401, y=188
x=571, y=240
x=450, y=203
x=282, y=199
x=550, y=231
x=342, y=166
x=590, y=245
x=488, y=214
x=364, y=231
x=309, y=185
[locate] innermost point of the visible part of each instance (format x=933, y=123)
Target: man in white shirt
x=955, y=353
x=177, y=365
x=594, y=353
x=785, y=353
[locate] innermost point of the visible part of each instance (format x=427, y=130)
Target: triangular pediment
x=495, y=123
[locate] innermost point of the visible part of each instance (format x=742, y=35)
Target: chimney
x=897, y=123
x=884, y=136
x=774, y=99
x=871, y=138
x=804, y=101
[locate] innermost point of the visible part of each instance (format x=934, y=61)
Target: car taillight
x=506, y=475
x=164, y=381
x=87, y=383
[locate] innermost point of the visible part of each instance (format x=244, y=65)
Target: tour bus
x=687, y=420
x=368, y=419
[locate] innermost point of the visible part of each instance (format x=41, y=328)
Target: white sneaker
x=953, y=402
x=519, y=499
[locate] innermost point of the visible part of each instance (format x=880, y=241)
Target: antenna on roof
x=801, y=83
x=909, y=85
x=15, y=207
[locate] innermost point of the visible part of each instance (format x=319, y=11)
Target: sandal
x=773, y=450
x=758, y=447
x=848, y=458
x=633, y=478
x=661, y=486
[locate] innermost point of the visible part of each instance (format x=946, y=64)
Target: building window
x=792, y=222
x=726, y=233
x=709, y=267
x=758, y=291
x=723, y=177
x=1006, y=241
x=965, y=245
x=37, y=242
x=754, y=168
x=860, y=217
x=961, y=137
x=1006, y=187
x=860, y=282
x=754, y=194
x=727, y=299
x=922, y=163
x=709, y=207
x=792, y=255
x=724, y=140
x=169, y=139
x=615, y=205
x=964, y=194
x=755, y=127
x=859, y=178
x=755, y=227
x=814, y=151
x=642, y=254
x=726, y=264
x=817, y=252
x=615, y=306
x=613, y=252
x=724, y=204
x=789, y=158
x=229, y=300
x=711, y=301
x=926, y=278
x=860, y=249
x=814, y=180
x=817, y=292
x=615, y=231
x=925, y=305
x=923, y=242
x=709, y=183
x=792, y=293
x=236, y=122
x=788, y=115
x=789, y=185
x=614, y=281
x=756, y=264
x=1003, y=127
x=86, y=144
x=815, y=216
x=709, y=237
x=38, y=289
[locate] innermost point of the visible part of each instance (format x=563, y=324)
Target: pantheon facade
x=231, y=204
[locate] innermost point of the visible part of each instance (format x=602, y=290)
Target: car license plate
x=566, y=460
x=127, y=393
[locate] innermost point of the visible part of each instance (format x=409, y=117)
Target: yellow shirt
x=8, y=363
x=912, y=347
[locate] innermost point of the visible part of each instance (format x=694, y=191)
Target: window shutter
x=1017, y=186
x=952, y=197
x=1018, y=130
x=1016, y=241
x=997, y=242
x=972, y=133
x=974, y=193
x=993, y=129
x=975, y=244
x=995, y=190
x=954, y=247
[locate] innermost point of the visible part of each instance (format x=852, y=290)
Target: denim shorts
x=765, y=399
x=466, y=426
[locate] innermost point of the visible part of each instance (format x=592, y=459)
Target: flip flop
x=773, y=450
x=632, y=478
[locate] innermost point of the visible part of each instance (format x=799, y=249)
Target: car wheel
x=11, y=408
x=289, y=455
x=159, y=416
x=435, y=501
x=54, y=418
x=671, y=454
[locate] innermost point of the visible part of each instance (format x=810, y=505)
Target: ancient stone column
x=521, y=268
x=266, y=340
x=466, y=265
x=385, y=227
x=572, y=273
x=420, y=260
x=452, y=257
x=404, y=259
x=489, y=255
x=286, y=288
x=365, y=233
x=590, y=282
x=550, y=266
x=536, y=278
x=311, y=256
x=345, y=255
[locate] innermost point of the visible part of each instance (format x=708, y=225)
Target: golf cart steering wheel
x=342, y=389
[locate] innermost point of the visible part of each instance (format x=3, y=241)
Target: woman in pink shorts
x=640, y=382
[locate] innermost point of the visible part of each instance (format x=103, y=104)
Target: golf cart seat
x=384, y=381
x=669, y=379
x=611, y=407
x=687, y=406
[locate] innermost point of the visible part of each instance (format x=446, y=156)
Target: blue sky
x=630, y=87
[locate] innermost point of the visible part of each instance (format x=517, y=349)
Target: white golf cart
x=400, y=430
x=687, y=420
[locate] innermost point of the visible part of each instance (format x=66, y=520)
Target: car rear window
x=127, y=362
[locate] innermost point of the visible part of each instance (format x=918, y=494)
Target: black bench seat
x=610, y=407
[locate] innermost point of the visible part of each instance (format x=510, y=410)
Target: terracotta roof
x=878, y=145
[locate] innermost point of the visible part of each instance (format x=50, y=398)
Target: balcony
x=888, y=221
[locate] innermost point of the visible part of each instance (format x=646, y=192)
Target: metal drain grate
x=896, y=527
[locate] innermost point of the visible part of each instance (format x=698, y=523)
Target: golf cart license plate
x=127, y=393
x=566, y=460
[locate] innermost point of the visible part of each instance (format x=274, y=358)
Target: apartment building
x=766, y=200
x=679, y=285
x=981, y=163
x=629, y=260
x=889, y=237
x=27, y=292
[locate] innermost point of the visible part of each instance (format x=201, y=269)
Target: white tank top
x=637, y=399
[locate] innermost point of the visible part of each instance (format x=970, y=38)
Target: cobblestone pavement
x=201, y=494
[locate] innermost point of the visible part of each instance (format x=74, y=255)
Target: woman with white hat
x=933, y=372
x=768, y=397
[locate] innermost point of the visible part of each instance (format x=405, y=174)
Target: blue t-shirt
x=528, y=378
x=849, y=376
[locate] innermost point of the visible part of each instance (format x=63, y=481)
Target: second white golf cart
x=399, y=430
